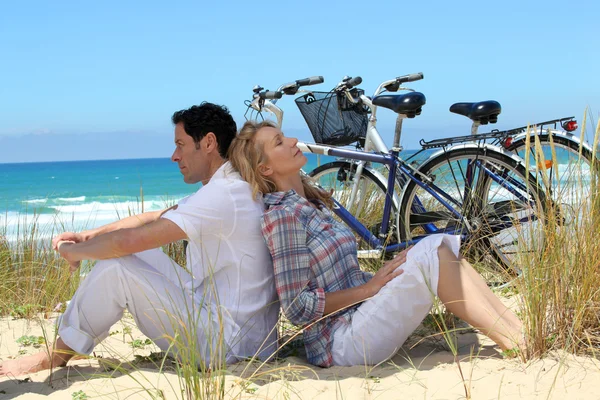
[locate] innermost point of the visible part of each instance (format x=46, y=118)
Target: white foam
x=19, y=225
x=568, y=171
x=118, y=207
x=35, y=201
x=75, y=217
x=72, y=199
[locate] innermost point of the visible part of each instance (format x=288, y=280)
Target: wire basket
x=332, y=119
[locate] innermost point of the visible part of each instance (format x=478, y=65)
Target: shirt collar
x=225, y=170
x=291, y=196
x=272, y=199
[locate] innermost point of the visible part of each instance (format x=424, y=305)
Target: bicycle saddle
x=482, y=112
x=408, y=104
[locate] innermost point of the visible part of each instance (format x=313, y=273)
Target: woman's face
x=283, y=158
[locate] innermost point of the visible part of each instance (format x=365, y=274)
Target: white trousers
x=153, y=288
x=382, y=323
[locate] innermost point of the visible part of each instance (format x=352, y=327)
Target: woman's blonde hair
x=246, y=155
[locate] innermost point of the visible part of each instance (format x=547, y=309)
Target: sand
x=423, y=371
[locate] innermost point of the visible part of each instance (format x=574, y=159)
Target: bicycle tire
x=486, y=207
x=337, y=176
x=569, y=183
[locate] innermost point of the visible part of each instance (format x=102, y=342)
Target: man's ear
x=210, y=142
x=265, y=170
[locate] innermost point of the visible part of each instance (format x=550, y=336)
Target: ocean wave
x=55, y=218
x=116, y=207
x=71, y=199
x=16, y=226
x=35, y=201
x=568, y=170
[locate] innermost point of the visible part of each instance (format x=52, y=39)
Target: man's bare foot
x=25, y=365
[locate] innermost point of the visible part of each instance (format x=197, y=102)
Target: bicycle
x=424, y=207
x=562, y=162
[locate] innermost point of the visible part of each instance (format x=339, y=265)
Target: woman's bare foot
x=516, y=347
x=25, y=365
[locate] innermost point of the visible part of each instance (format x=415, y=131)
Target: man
x=224, y=309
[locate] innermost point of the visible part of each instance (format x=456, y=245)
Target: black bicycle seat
x=408, y=104
x=482, y=112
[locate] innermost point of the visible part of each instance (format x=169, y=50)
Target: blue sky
x=97, y=80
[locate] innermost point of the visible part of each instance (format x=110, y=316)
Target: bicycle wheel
x=565, y=175
x=367, y=207
x=500, y=224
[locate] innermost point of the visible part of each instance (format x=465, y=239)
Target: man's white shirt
x=229, y=261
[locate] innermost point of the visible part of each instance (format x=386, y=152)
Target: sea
x=77, y=195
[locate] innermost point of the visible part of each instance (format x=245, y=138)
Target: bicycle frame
x=375, y=151
x=507, y=138
x=395, y=164
x=377, y=242
x=373, y=142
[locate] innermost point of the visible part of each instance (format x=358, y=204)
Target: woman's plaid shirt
x=312, y=255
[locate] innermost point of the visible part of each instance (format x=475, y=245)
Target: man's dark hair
x=207, y=117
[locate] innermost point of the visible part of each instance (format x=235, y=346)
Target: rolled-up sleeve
x=208, y=218
x=286, y=239
x=208, y=212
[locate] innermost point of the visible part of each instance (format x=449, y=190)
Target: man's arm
x=133, y=221
x=123, y=241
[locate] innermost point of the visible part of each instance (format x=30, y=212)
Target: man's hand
x=386, y=273
x=67, y=237
x=62, y=246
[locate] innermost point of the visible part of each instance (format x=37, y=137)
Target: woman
x=349, y=316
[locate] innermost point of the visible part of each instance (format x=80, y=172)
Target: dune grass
x=32, y=278
x=560, y=285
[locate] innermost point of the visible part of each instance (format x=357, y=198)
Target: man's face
x=192, y=161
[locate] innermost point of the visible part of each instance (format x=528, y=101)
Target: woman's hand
x=386, y=273
x=63, y=247
x=341, y=299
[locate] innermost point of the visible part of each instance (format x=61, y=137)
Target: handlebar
x=394, y=84
x=292, y=87
x=270, y=95
x=357, y=80
x=410, y=78
x=287, y=88
x=346, y=88
x=266, y=99
x=348, y=83
x=313, y=80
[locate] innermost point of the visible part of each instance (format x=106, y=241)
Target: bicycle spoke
x=499, y=215
x=368, y=204
x=567, y=181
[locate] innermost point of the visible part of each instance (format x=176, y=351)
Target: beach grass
x=560, y=285
x=33, y=279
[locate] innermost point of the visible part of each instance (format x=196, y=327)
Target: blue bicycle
x=478, y=191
